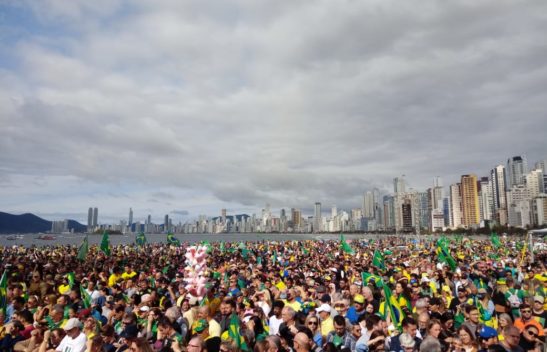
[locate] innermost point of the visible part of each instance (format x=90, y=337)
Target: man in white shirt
x=275, y=319
x=75, y=340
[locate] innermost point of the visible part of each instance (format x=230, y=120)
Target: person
x=472, y=320
x=469, y=343
x=327, y=324
x=195, y=344
x=410, y=327
x=529, y=338
x=504, y=320
x=312, y=323
x=526, y=318
x=75, y=340
x=488, y=337
x=140, y=345
x=275, y=319
x=510, y=342
x=94, y=344
x=301, y=342
x=430, y=344
x=340, y=337
x=538, y=311
x=12, y=336
x=407, y=343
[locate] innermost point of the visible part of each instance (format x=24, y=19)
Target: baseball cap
x=538, y=298
x=487, y=332
x=71, y=324
x=323, y=308
x=359, y=299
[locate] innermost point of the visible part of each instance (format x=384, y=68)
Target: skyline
x=191, y=107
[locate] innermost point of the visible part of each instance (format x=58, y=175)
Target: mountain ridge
x=30, y=223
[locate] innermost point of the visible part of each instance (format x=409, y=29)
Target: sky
x=186, y=107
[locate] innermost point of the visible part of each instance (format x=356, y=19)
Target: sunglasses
x=531, y=333
x=526, y=311
x=313, y=323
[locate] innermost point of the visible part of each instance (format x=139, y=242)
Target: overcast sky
x=187, y=107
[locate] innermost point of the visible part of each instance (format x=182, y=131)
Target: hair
x=259, y=327
x=276, y=340
x=290, y=311
x=430, y=344
x=468, y=331
x=407, y=321
x=406, y=340
x=432, y=323
x=310, y=317
x=469, y=308
x=372, y=320
x=506, y=317
x=164, y=322
x=97, y=343
x=142, y=344
x=261, y=346
x=26, y=315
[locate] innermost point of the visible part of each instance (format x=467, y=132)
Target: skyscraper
x=470, y=200
x=89, y=219
x=368, y=205
x=517, y=168
x=456, y=210
x=486, y=203
x=499, y=199
x=317, y=220
x=95, y=217
x=166, y=223
x=399, y=184
x=130, y=222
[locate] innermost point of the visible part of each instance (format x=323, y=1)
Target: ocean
x=28, y=240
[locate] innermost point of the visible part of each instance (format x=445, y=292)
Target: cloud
x=203, y=106
x=180, y=212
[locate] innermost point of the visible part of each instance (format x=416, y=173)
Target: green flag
x=391, y=304
x=70, y=277
x=444, y=255
x=274, y=258
x=86, y=298
x=367, y=277
x=235, y=334
x=222, y=247
x=496, y=243
x=378, y=260
x=259, y=261
x=3, y=292
x=83, y=250
x=105, y=244
x=141, y=239
x=172, y=240
x=345, y=246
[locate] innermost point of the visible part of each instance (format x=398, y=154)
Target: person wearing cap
x=75, y=340
x=538, y=312
x=358, y=308
x=487, y=337
x=327, y=323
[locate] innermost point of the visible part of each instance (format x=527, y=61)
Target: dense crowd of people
x=277, y=297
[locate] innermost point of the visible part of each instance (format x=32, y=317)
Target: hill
x=30, y=223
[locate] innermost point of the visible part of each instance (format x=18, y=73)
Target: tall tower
x=166, y=223
x=456, y=210
x=517, y=168
x=95, y=216
x=499, y=195
x=485, y=199
x=470, y=200
x=368, y=205
x=130, y=222
x=223, y=215
x=89, y=219
x=399, y=184
x=317, y=218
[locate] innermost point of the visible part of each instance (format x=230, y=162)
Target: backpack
x=514, y=300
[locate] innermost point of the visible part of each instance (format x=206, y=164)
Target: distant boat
x=46, y=237
x=11, y=238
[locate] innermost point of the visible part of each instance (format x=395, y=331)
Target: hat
x=538, y=298
x=487, y=332
x=323, y=308
x=130, y=332
x=482, y=290
x=359, y=299
x=424, y=280
x=501, y=281
x=200, y=326
x=144, y=308
x=325, y=298
x=71, y=324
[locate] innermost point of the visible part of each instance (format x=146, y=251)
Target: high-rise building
x=456, y=210
x=486, y=202
x=223, y=215
x=399, y=185
x=95, y=217
x=89, y=219
x=470, y=200
x=499, y=190
x=534, y=182
x=130, y=222
x=296, y=218
x=368, y=205
x=406, y=211
x=317, y=221
x=519, y=211
x=517, y=168
x=542, y=165
x=166, y=223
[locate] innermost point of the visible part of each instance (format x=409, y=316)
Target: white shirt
x=274, y=324
x=68, y=344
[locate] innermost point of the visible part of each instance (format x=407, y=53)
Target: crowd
x=392, y=294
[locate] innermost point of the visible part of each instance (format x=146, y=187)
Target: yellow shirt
x=294, y=305
x=127, y=275
x=113, y=279
x=214, y=328
x=327, y=326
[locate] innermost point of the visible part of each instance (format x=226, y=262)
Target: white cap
x=323, y=308
x=144, y=309
x=71, y=324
